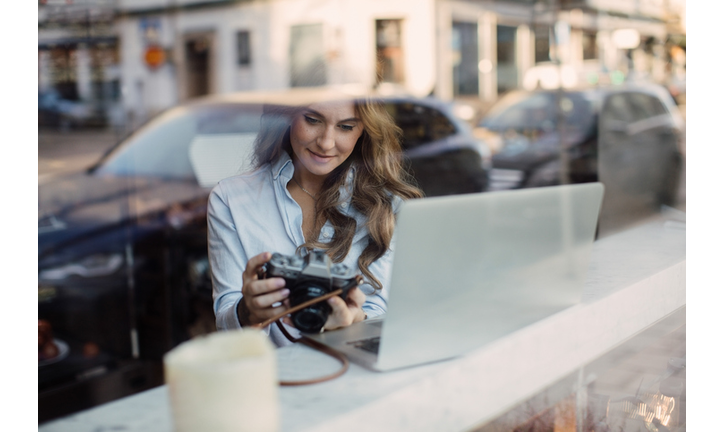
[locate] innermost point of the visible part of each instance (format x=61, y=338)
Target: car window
x=640, y=107
x=162, y=147
x=420, y=124
x=617, y=112
x=649, y=113
x=231, y=120
x=645, y=106
x=217, y=156
x=657, y=105
x=537, y=111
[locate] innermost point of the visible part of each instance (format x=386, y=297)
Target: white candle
x=226, y=381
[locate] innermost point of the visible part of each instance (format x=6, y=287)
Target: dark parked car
x=628, y=137
x=122, y=260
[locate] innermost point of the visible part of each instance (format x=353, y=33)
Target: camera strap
x=319, y=347
x=309, y=342
x=296, y=308
x=340, y=292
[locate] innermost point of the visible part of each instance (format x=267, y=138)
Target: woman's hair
x=379, y=175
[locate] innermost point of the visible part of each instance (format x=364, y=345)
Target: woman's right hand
x=258, y=295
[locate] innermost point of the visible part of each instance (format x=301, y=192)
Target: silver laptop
x=470, y=269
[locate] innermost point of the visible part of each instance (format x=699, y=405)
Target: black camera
x=308, y=277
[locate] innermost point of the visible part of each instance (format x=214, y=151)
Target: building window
x=306, y=53
x=63, y=70
x=507, y=67
x=542, y=44
x=465, y=58
x=197, y=60
x=243, y=48
x=389, y=51
x=590, y=48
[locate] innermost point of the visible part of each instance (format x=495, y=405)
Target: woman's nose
x=326, y=140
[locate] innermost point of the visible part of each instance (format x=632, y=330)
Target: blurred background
x=144, y=104
x=116, y=63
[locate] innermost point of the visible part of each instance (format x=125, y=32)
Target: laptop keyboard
x=370, y=345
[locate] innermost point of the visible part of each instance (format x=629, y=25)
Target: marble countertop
x=636, y=277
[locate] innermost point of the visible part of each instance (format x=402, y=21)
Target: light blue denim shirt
x=253, y=213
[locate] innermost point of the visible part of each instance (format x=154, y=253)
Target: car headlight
x=92, y=266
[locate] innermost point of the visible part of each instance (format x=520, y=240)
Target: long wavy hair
x=379, y=175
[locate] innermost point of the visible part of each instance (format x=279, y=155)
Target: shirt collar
x=283, y=165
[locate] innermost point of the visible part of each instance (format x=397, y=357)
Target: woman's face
x=323, y=135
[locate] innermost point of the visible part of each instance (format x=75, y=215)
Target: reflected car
x=628, y=137
x=56, y=111
x=122, y=254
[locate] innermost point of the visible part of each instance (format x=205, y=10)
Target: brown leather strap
x=308, y=342
x=296, y=308
x=319, y=347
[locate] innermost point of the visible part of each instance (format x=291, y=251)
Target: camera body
x=308, y=277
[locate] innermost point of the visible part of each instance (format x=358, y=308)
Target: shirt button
x=344, y=205
x=325, y=234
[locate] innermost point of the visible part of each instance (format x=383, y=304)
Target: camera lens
x=312, y=318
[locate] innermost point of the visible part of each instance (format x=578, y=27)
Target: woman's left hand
x=346, y=312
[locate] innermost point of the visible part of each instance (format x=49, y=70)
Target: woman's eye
x=311, y=120
x=346, y=127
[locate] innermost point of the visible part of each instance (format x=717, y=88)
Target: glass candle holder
x=225, y=381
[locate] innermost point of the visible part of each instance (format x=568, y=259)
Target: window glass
x=243, y=48
x=657, y=106
x=308, y=65
x=590, y=46
x=542, y=43
x=645, y=106
x=420, y=124
x=161, y=148
x=617, y=109
x=507, y=66
x=390, y=52
x=640, y=106
x=198, y=54
x=465, y=58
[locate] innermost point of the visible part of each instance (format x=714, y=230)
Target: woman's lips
x=319, y=158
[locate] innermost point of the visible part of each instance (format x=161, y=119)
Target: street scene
x=144, y=107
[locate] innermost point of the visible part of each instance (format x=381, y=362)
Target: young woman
x=327, y=176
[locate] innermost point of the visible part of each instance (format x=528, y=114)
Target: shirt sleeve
x=376, y=303
x=227, y=260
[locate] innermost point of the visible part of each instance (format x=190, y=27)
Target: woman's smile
x=319, y=157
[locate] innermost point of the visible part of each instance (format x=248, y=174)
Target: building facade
x=78, y=55
x=163, y=52
x=486, y=48
x=230, y=46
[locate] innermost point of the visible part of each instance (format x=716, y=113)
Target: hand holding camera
x=262, y=298
x=306, y=279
